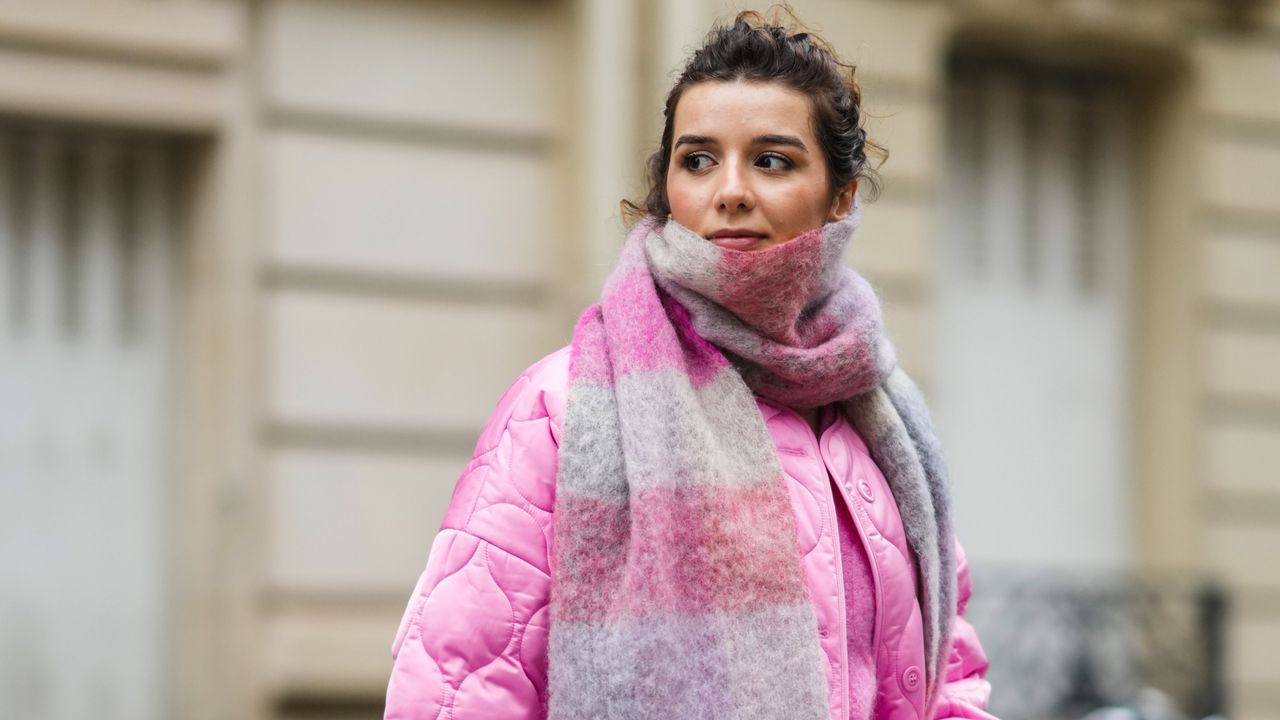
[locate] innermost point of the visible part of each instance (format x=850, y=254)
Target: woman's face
x=746, y=169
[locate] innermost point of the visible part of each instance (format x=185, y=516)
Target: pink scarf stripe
x=700, y=360
x=663, y=335
x=589, y=353
x=677, y=554
x=639, y=314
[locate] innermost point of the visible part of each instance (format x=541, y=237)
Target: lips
x=736, y=238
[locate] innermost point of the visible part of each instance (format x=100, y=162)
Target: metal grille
x=1065, y=645
x=87, y=228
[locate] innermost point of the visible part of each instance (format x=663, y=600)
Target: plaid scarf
x=677, y=589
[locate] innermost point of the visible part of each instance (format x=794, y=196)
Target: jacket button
x=911, y=678
x=864, y=489
x=822, y=632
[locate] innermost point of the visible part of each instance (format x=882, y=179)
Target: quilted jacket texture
x=473, y=640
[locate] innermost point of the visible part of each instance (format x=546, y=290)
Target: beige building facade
x=382, y=211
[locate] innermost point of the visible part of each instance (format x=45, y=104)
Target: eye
x=773, y=161
x=696, y=161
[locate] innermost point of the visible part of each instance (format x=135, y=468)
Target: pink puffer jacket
x=473, y=641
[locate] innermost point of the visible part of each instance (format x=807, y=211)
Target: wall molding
x=190, y=34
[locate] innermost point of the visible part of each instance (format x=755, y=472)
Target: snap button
x=822, y=632
x=911, y=678
x=864, y=489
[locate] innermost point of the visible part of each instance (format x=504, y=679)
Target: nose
x=734, y=194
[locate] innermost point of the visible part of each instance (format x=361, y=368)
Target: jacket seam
x=842, y=601
x=492, y=544
x=519, y=651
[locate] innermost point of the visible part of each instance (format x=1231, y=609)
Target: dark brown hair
x=757, y=49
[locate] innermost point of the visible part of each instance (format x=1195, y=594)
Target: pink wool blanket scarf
x=677, y=589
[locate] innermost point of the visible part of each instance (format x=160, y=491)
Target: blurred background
x=265, y=268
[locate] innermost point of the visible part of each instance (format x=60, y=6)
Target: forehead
x=727, y=109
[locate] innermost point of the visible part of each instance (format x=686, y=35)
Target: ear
x=843, y=201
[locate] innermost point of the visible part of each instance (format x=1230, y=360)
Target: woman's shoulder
x=506, y=492
x=537, y=394
x=551, y=372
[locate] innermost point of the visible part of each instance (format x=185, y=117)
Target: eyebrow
x=769, y=139
x=692, y=140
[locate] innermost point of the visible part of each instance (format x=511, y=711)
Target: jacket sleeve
x=473, y=640
x=965, y=692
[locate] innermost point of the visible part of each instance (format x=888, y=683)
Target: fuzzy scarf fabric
x=677, y=589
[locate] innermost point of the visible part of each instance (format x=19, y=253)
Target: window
x=1032, y=392
x=87, y=299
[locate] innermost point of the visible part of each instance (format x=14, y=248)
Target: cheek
x=685, y=201
x=803, y=206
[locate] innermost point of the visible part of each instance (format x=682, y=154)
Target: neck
x=811, y=416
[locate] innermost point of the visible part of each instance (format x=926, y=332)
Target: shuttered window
x=1033, y=392
x=87, y=248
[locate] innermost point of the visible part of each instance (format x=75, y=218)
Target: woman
x=723, y=500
